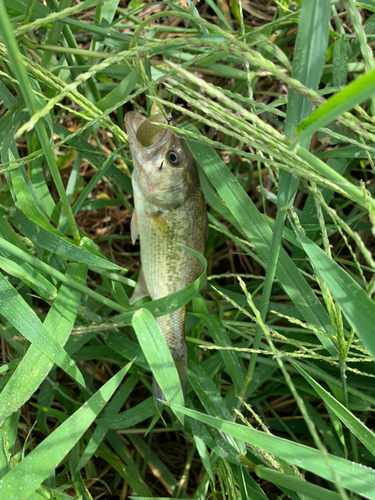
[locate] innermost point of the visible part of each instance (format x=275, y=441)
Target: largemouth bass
x=169, y=207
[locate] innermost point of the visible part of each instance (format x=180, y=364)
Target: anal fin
x=140, y=289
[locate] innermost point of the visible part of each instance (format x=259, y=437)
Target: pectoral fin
x=134, y=231
x=140, y=289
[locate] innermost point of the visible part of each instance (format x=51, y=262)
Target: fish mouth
x=144, y=134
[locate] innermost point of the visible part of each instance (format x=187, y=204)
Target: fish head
x=164, y=168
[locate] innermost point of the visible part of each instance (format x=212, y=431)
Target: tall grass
x=276, y=101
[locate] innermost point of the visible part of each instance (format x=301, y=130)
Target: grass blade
x=312, y=491
x=53, y=241
x=359, y=429
x=112, y=410
x=27, y=94
x=355, y=93
x=221, y=337
x=131, y=417
x=259, y=233
x=23, y=318
x=51, y=271
x=35, y=365
x=36, y=466
x=158, y=355
x=355, y=477
x=30, y=277
x=348, y=294
x=308, y=60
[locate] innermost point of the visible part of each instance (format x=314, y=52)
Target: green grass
x=276, y=102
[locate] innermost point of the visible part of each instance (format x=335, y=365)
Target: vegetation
x=275, y=99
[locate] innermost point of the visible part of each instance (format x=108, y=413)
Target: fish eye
x=174, y=158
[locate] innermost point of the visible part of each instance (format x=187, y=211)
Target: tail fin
x=158, y=393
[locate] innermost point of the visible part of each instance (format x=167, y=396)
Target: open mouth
x=146, y=131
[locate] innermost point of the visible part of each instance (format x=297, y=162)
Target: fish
x=169, y=207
